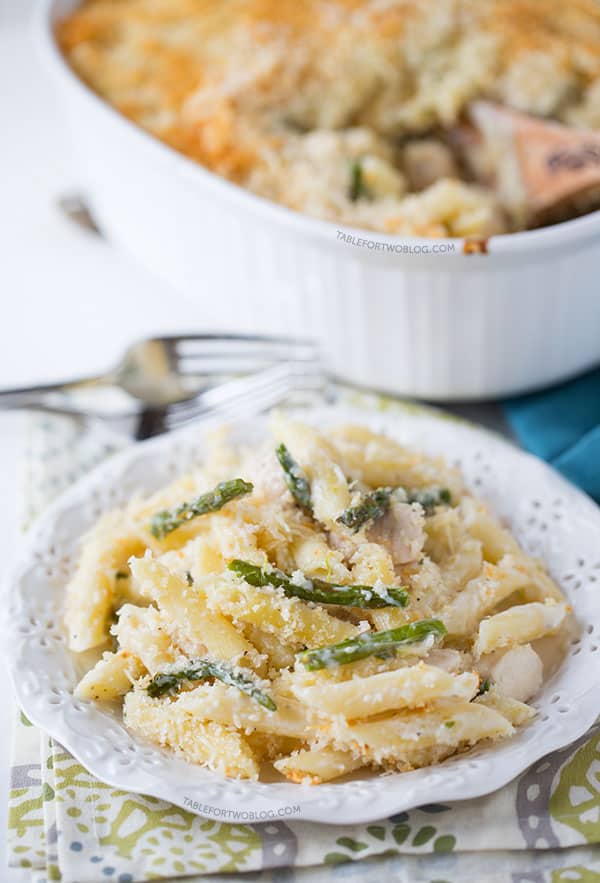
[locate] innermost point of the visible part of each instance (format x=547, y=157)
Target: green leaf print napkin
x=66, y=825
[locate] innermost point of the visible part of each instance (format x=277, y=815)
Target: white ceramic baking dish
x=411, y=316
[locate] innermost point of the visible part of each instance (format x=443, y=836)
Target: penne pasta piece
x=315, y=454
x=392, y=617
x=169, y=725
x=463, y=614
x=315, y=558
x=179, y=561
x=496, y=540
x=226, y=538
x=112, y=676
x=268, y=747
x=540, y=585
x=279, y=655
x=449, y=544
x=445, y=534
x=428, y=593
x=412, y=687
x=463, y=566
x=317, y=765
x=229, y=706
x=198, y=629
x=518, y=713
x=450, y=724
x=372, y=563
x=92, y=592
x=293, y=621
x=379, y=460
x=519, y=625
x=144, y=633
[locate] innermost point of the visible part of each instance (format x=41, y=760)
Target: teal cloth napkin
x=562, y=426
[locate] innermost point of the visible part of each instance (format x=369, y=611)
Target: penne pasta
x=411, y=687
x=450, y=724
x=519, y=625
x=221, y=748
x=227, y=705
x=291, y=620
x=324, y=602
x=198, y=629
x=518, y=713
x=496, y=583
x=143, y=633
x=317, y=765
x=92, y=593
x=112, y=676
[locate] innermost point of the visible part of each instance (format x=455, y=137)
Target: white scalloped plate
x=550, y=518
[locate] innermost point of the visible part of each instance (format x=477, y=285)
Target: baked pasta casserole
x=323, y=602
x=349, y=111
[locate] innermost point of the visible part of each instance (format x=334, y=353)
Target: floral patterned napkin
x=66, y=825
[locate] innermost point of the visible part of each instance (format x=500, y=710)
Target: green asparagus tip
x=357, y=188
x=375, y=504
x=295, y=479
x=484, y=686
x=168, y=520
x=371, y=507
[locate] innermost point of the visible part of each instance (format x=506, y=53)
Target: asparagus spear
x=371, y=644
x=429, y=498
x=297, y=482
x=318, y=590
x=168, y=520
x=484, y=687
x=372, y=506
x=375, y=503
x=357, y=188
x=201, y=670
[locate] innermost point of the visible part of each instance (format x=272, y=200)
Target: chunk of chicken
x=268, y=478
x=427, y=161
x=517, y=673
x=400, y=531
x=449, y=660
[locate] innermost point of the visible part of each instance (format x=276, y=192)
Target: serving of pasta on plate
x=323, y=602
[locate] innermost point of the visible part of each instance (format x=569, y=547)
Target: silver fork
x=161, y=371
x=292, y=383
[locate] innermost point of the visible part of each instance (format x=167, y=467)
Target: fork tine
x=249, y=395
x=209, y=365
x=235, y=345
x=250, y=339
x=256, y=404
x=233, y=390
x=240, y=387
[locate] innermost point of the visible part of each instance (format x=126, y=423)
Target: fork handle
x=26, y=395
